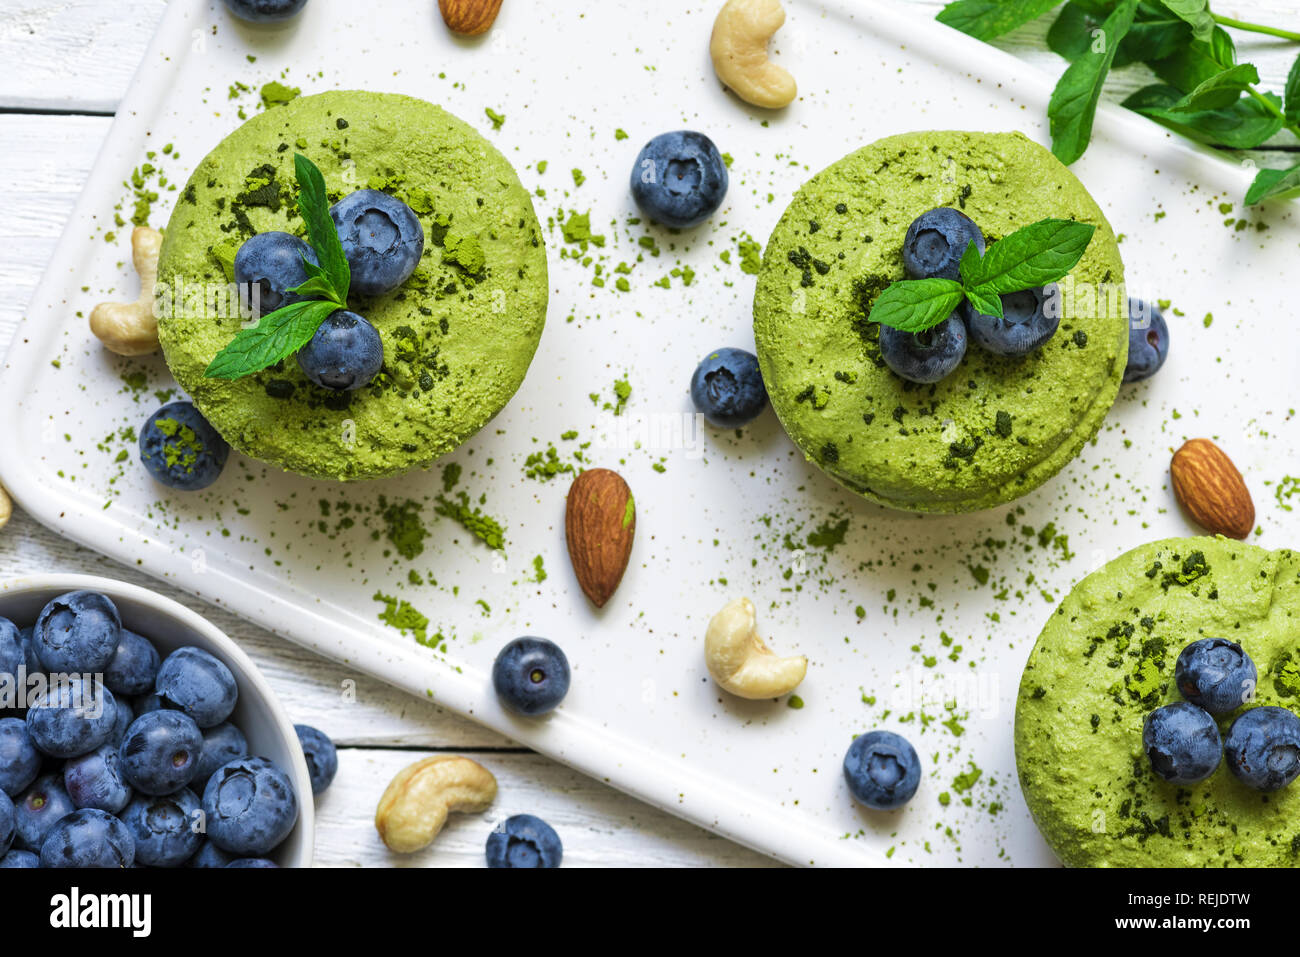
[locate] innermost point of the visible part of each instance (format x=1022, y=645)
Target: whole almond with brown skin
x=1208, y=485
x=469, y=17
x=599, y=523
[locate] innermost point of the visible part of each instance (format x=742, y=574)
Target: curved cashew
x=739, y=51
x=6, y=507
x=130, y=328
x=417, y=801
x=739, y=661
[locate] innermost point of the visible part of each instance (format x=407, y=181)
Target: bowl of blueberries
x=133, y=733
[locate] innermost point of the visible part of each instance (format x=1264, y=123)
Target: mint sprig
x=1033, y=256
x=281, y=333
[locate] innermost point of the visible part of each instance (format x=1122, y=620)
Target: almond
x=1208, y=485
x=599, y=523
x=469, y=17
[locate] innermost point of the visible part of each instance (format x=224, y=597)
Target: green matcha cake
x=458, y=335
x=1106, y=660
x=994, y=429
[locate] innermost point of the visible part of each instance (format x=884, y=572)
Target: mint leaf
x=914, y=305
x=1073, y=106
x=985, y=304
x=1070, y=34
x=1030, y=257
x=314, y=205
x=1219, y=91
x=987, y=19
x=1196, y=13
x=1293, y=94
x=1197, y=62
x=1245, y=125
x=318, y=287
x=1273, y=182
x=277, y=336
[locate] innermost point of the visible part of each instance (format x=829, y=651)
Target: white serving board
x=642, y=714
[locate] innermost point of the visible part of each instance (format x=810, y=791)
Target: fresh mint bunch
x=1033, y=256
x=1205, y=94
x=281, y=333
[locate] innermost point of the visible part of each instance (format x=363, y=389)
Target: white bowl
x=169, y=626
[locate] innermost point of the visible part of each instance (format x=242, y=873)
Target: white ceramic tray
x=712, y=525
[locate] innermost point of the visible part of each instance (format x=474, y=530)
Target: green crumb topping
x=751, y=256
x=539, y=569
x=182, y=447
x=466, y=252
x=795, y=702
x=486, y=529
x=450, y=476
x=629, y=511
x=403, y=526
x=276, y=93
x=402, y=615
x=498, y=119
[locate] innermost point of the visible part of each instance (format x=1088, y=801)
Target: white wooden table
x=67, y=64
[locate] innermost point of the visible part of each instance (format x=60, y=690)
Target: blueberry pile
x=932, y=249
x=382, y=240
x=1182, y=742
x=127, y=758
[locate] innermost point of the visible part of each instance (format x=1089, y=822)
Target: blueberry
x=728, y=389
x=39, y=808
x=96, y=780
x=209, y=855
x=1215, y=674
x=180, y=449
x=927, y=356
x=77, y=633
x=1263, y=748
x=19, y=859
x=265, y=11
x=88, y=838
x=679, y=179
x=935, y=242
x=13, y=656
x=124, y=715
x=221, y=745
x=20, y=762
x=882, y=770
x=344, y=354
x=274, y=262
x=164, y=828
x=322, y=758
x=147, y=702
x=382, y=240
x=1029, y=318
x=531, y=676
x=8, y=823
x=524, y=841
x=1148, y=341
x=252, y=862
x=161, y=752
x=134, y=665
x=72, y=717
x=193, y=681
x=250, y=806
x=33, y=660
x=1182, y=743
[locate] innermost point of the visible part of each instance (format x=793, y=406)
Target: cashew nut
x=130, y=328
x=6, y=507
x=416, y=803
x=739, y=661
x=739, y=51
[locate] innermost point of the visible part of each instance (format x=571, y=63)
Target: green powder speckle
x=485, y=528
